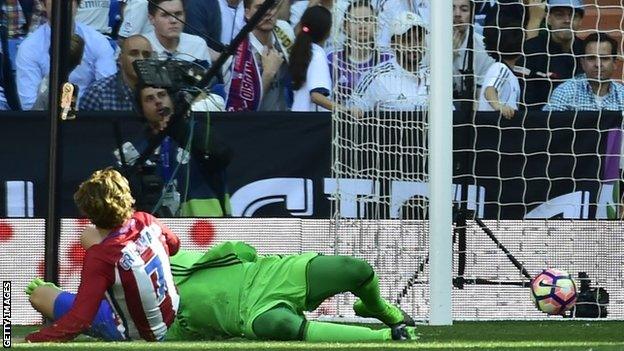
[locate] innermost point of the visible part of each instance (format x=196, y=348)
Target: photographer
x=174, y=167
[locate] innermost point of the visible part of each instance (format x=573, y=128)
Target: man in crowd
x=135, y=19
x=470, y=62
x=257, y=78
x=400, y=84
x=193, y=173
x=167, y=39
x=594, y=90
x=116, y=92
x=33, y=60
x=552, y=57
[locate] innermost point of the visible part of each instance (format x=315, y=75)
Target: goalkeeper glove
x=37, y=282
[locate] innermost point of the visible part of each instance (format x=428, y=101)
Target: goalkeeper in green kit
x=230, y=291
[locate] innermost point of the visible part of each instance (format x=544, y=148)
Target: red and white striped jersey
x=130, y=268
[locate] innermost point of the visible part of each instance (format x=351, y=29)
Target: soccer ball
x=553, y=291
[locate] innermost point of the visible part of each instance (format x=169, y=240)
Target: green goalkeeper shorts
x=222, y=302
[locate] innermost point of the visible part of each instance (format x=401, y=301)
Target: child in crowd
x=359, y=54
x=308, y=62
x=501, y=89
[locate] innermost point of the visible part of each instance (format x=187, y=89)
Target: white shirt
x=389, y=87
x=95, y=14
x=135, y=20
x=33, y=62
x=318, y=79
x=503, y=79
x=190, y=48
x=232, y=20
x=481, y=61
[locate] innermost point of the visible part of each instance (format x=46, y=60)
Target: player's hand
x=507, y=111
x=271, y=61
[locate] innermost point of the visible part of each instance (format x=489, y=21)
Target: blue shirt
x=108, y=94
x=33, y=62
x=577, y=95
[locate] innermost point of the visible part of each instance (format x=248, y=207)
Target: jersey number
x=154, y=266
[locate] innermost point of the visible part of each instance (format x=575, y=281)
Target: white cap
x=406, y=21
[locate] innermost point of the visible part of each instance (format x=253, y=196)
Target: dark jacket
x=548, y=66
x=203, y=18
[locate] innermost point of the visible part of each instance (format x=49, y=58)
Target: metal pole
x=62, y=27
x=440, y=163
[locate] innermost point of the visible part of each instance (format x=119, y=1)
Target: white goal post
x=440, y=163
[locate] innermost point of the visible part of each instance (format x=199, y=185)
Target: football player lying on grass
x=126, y=285
x=230, y=291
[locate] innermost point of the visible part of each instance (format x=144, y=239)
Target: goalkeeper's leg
x=281, y=323
x=331, y=275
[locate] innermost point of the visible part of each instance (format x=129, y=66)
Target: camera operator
x=179, y=169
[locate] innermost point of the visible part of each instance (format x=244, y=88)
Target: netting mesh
x=518, y=162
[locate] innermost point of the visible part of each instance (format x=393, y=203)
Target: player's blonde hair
x=105, y=198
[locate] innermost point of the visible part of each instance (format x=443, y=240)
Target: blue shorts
x=105, y=324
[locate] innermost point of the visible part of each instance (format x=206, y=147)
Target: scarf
x=245, y=91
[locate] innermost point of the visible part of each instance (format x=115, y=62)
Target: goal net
x=536, y=177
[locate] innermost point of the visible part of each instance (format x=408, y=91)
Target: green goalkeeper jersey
x=223, y=290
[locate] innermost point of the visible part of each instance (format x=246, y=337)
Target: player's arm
x=95, y=278
x=168, y=238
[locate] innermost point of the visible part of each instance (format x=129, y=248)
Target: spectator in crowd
x=135, y=19
x=552, y=57
x=116, y=93
x=38, y=15
x=594, y=90
x=401, y=83
x=360, y=54
x=530, y=13
x=221, y=20
x=16, y=23
x=337, y=7
x=76, y=51
x=257, y=77
x=501, y=88
x=33, y=60
x=95, y=14
x=167, y=39
x=470, y=62
x=308, y=62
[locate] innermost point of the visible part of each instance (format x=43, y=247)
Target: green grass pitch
x=500, y=335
